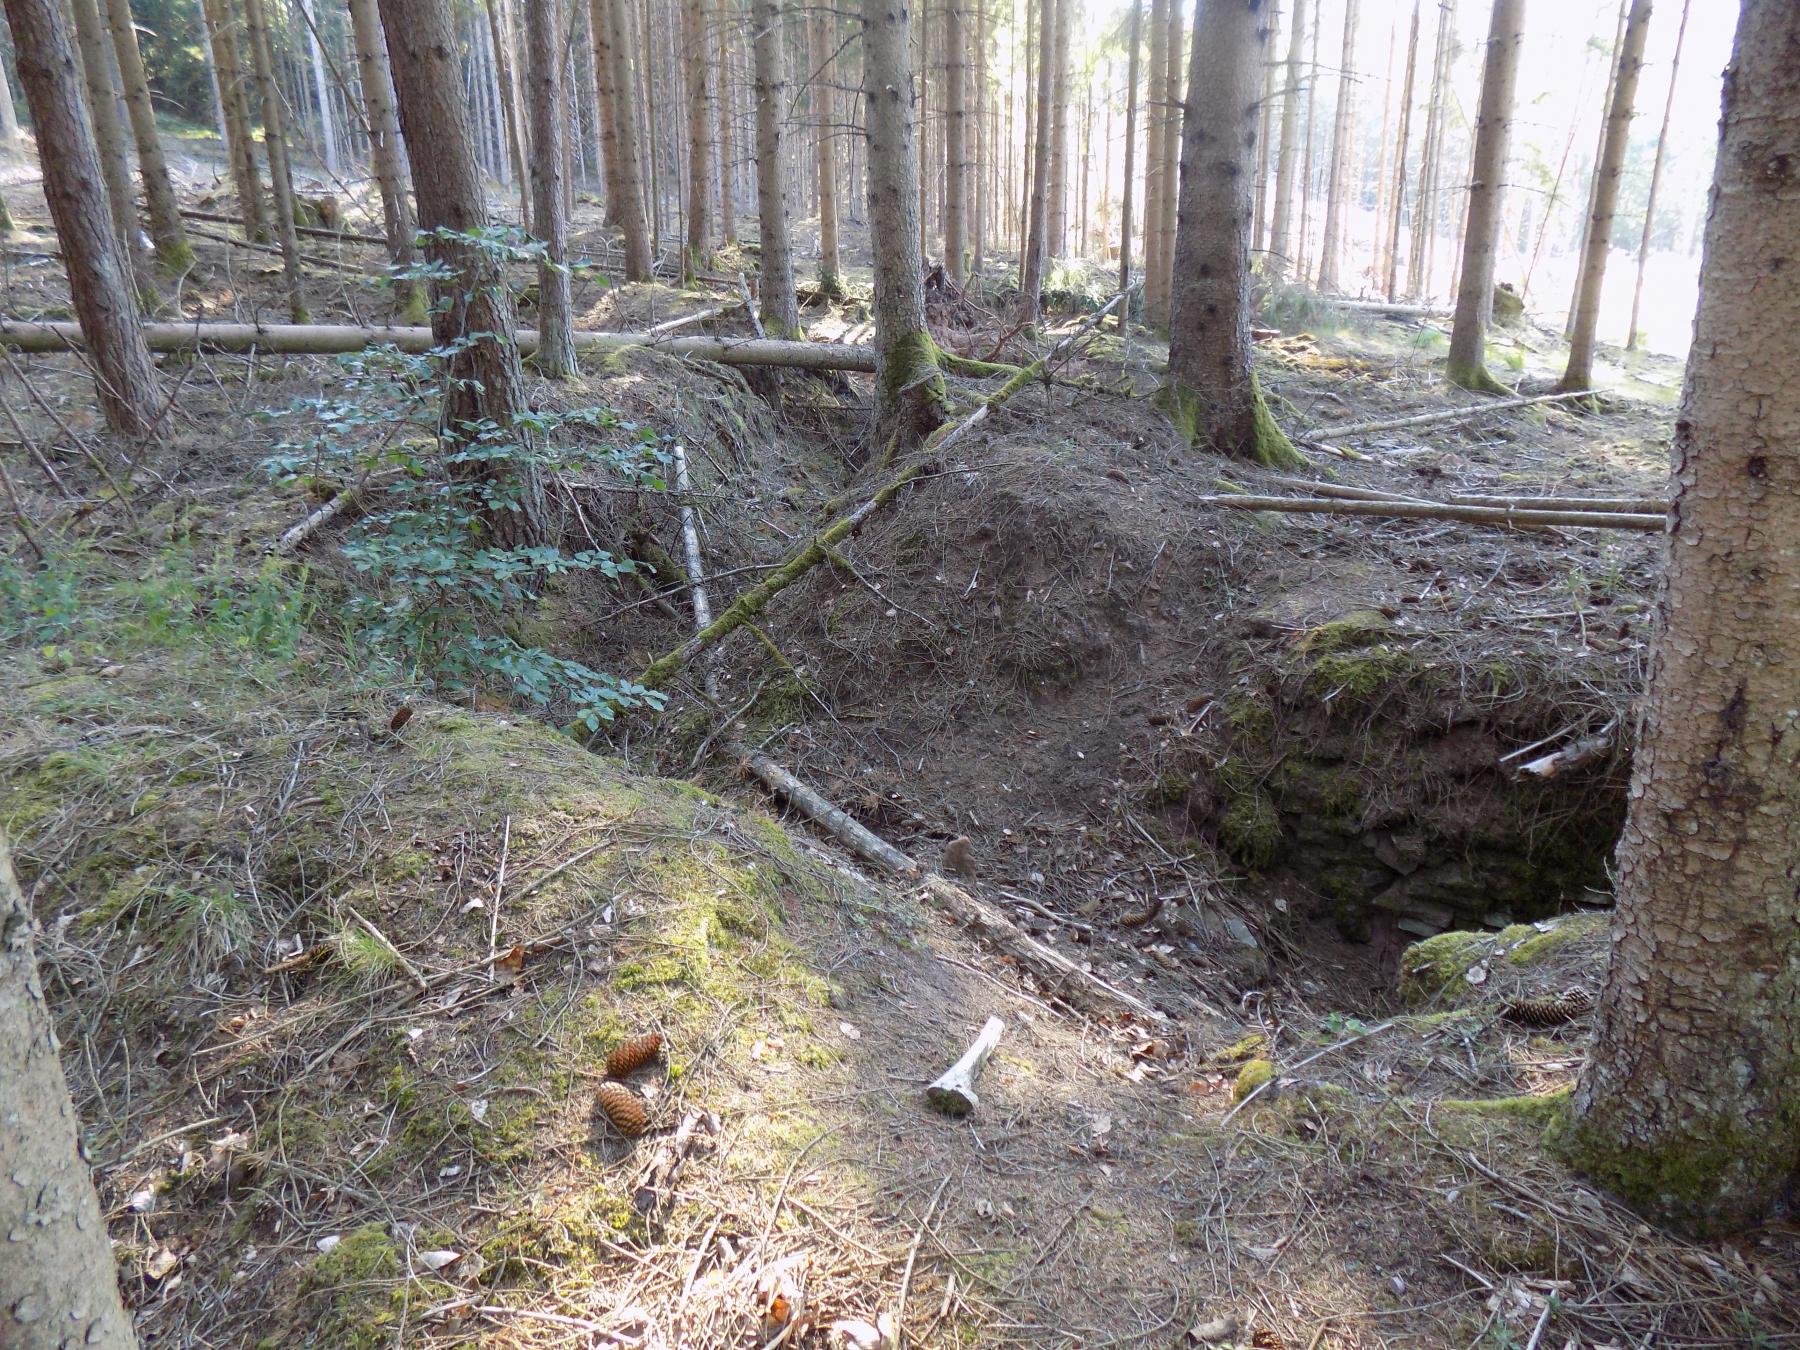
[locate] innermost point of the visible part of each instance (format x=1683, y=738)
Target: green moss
x=1248, y=1047
x=1359, y=673
x=912, y=373
x=1533, y=944
x=1251, y=716
x=1361, y=629
x=1473, y=375
x=1253, y=1075
x=1250, y=829
x=1431, y=968
x=361, y=1283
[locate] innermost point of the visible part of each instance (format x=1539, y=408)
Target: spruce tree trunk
x=1158, y=293
x=1056, y=227
x=1155, y=162
x=499, y=44
x=281, y=178
x=1580, y=372
x=831, y=279
x=1378, y=268
x=556, y=338
x=981, y=166
x=1398, y=196
x=1281, y=239
x=100, y=280
x=779, y=308
x=227, y=59
x=1587, y=216
x=9, y=116
x=1037, y=226
x=909, y=389
x=1264, y=135
x=1212, y=392
x=99, y=62
x=328, y=148
x=1656, y=168
x=60, y=1286
x=696, y=256
x=1343, y=155
x=1689, y=1106
x=170, y=239
x=473, y=313
x=1424, y=221
x=632, y=220
x=1481, y=240
x=606, y=108
x=956, y=143
x=728, y=141
x=1133, y=47
x=1304, y=243
x=1434, y=157
x=384, y=155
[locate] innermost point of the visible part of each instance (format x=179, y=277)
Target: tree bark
x=981, y=166
x=328, y=147
x=172, y=250
x=1689, y=1106
x=696, y=257
x=1212, y=392
x=99, y=62
x=1656, y=168
x=473, y=313
x=281, y=178
x=728, y=138
x=556, y=342
x=1281, y=243
x=1156, y=130
x=1593, y=186
x=909, y=388
x=499, y=38
x=99, y=276
x=1580, y=372
x=1037, y=223
x=1056, y=197
x=622, y=142
x=1133, y=46
x=1343, y=154
x=56, y=1268
x=1159, y=286
x=831, y=278
x=956, y=143
x=1265, y=139
x=1493, y=135
x=1398, y=203
x=227, y=60
x=384, y=154
x=1436, y=124
x=1303, y=245
x=9, y=116
x=777, y=304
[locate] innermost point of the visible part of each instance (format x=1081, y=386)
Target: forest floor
x=338, y=999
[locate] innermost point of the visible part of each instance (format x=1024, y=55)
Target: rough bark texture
x=1656, y=169
x=1481, y=240
x=1392, y=287
x=696, y=256
x=499, y=41
x=831, y=278
x=228, y=60
x=99, y=278
x=172, y=250
x=1056, y=199
x=1281, y=242
x=779, y=309
x=1037, y=227
x=1690, y=1103
x=1212, y=391
x=384, y=154
x=1159, y=285
x=1598, y=245
x=909, y=386
x=281, y=177
x=484, y=382
x=556, y=344
x=1133, y=47
x=728, y=139
x=622, y=144
x=956, y=143
x=1155, y=134
x=58, y=1286
x=1264, y=138
x=606, y=106
x=1343, y=155
x=97, y=62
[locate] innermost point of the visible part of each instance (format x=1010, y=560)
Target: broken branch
x=954, y=1091
x=1423, y=510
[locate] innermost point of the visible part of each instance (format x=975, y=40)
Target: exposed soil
x=1237, y=761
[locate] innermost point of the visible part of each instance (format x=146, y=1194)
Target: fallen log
x=953, y=1092
x=1442, y=415
x=320, y=339
x=1423, y=510
x=1403, y=311
x=1625, y=505
x=312, y=231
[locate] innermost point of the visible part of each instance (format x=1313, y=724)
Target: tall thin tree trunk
x=1493, y=135
x=1424, y=220
x=172, y=249
x=983, y=154
x=1398, y=196
x=1265, y=132
x=62, y=1287
x=281, y=178
x=1160, y=291
x=617, y=57
x=1606, y=102
x=956, y=142
x=9, y=116
x=921, y=39
x=1056, y=241
x=1343, y=157
x=1378, y=267
x=909, y=397
x=509, y=105
x=1133, y=47
x=384, y=154
x=1281, y=239
x=328, y=146
x=1306, y=148
x=775, y=290
x=1580, y=372
x=1031, y=279
x=1656, y=168
x=100, y=282
x=728, y=137
x=606, y=105
x=1028, y=102
x=473, y=316
x=643, y=96
x=831, y=279
x=696, y=257
x=543, y=43
x=98, y=61
x=1212, y=391
x=1434, y=159
x=1689, y=1105
x=227, y=58
x=1156, y=133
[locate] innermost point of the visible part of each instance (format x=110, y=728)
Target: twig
x=1294, y=1068
x=1423, y=510
x=1444, y=415
x=499, y=893
x=911, y=1256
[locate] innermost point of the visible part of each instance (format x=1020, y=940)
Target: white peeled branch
x=954, y=1092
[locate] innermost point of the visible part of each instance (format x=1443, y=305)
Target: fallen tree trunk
x=1383, y=307
x=319, y=339
x=312, y=231
x=1443, y=415
x=1626, y=505
x=1423, y=510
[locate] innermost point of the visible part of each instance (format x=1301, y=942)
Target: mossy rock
x=1363, y=628
x=1252, y=1076
x=1359, y=673
x=1437, y=970
x=1250, y=829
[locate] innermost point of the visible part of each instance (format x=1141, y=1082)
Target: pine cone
x=622, y=1108
x=1549, y=1012
x=630, y=1056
